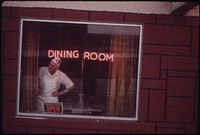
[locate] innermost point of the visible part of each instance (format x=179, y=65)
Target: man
x=50, y=79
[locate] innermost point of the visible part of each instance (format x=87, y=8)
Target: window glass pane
x=102, y=60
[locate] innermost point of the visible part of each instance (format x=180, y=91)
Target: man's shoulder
x=61, y=73
x=43, y=68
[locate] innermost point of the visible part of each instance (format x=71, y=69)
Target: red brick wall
x=169, y=81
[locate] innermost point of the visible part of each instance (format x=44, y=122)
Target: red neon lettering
x=57, y=109
x=69, y=54
x=63, y=53
x=103, y=57
x=93, y=56
x=109, y=57
x=50, y=53
x=59, y=54
x=86, y=55
x=75, y=54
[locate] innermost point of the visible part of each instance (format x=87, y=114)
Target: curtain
x=121, y=87
x=29, y=67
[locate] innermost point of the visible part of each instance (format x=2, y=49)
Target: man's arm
x=68, y=89
x=59, y=93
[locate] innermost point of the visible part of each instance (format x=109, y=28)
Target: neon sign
x=75, y=54
x=53, y=107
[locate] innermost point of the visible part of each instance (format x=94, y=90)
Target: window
x=103, y=60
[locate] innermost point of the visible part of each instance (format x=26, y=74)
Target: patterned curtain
x=121, y=87
x=29, y=67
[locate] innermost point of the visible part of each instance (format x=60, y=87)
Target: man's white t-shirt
x=50, y=83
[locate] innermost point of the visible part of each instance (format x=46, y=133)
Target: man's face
x=52, y=67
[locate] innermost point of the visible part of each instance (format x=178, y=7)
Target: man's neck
x=52, y=72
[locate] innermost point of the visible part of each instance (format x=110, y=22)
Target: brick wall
x=168, y=100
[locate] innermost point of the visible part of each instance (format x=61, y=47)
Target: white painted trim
x=127, y=6
x=44, y=116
